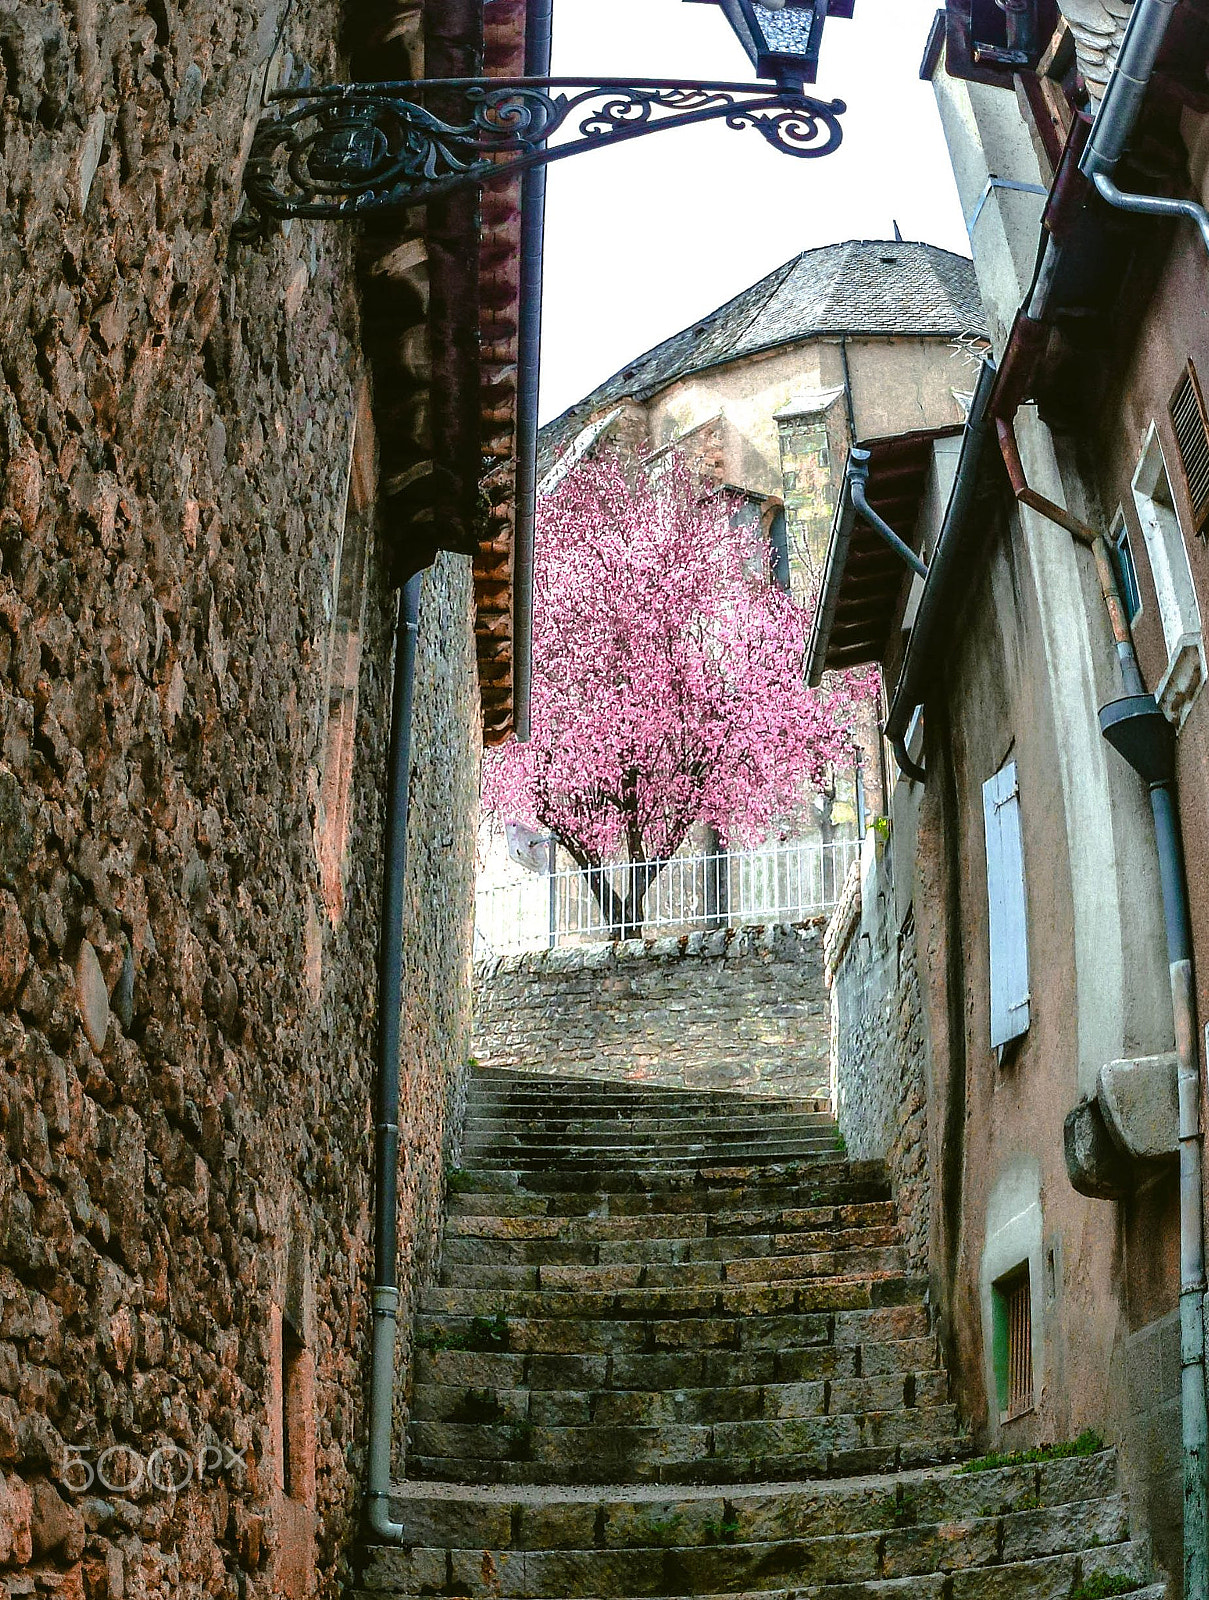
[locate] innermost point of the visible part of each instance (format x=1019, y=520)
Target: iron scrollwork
x=356, y=149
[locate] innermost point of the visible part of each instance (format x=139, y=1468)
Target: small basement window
x=1013, y=1348
x=1190, y=423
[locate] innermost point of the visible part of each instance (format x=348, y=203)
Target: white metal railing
x=777, y=883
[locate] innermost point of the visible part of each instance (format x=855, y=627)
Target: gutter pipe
x=1136, y=728
x=386, y=1117
x=538, y=44
x=1119, y=112
x=1139, y=731
x=935, y=612
x=858, y=482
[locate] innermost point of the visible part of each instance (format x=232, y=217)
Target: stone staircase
x=675, y=1351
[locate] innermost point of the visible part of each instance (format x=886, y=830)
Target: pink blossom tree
x=668, y=682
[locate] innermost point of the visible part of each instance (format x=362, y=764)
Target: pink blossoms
x=667, y=675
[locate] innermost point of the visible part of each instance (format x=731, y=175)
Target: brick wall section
x=733, y=1009
x=186, y=1036
x=878, y=1052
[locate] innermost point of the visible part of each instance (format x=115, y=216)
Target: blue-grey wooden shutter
x=1008, y=910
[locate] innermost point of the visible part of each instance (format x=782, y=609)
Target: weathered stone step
x=478, y=1194
x=507, y=1148
x=859, y=1292
x=842, y=1565
x=479, y=1241
x=654, y=1159
x=649, y=1335
x=580, y=1517
x=556, y=1125
x=675, y=1369
x=499, y=1083
x=883, y=1261
x=735, y=1402
x=794, y=1183
x=734, y=1452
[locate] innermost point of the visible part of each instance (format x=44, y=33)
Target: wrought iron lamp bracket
x=351, y=150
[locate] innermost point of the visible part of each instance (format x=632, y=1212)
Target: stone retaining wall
x=733, y=1009
x=878, y=1063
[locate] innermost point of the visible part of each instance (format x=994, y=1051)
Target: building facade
x=1008, y=944
x=224, y=445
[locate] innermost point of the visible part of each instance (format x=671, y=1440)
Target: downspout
x=1119, y=112
x=386, y=1115
x=858, y=481
x=1136, y=728
x=538, y=35
x=934, y=611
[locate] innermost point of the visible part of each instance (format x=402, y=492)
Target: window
x=1013, y=1335
x=778, y=550
x=1168, y=557
x=1191, y=426
x=1126, y=568
x=1007, y=907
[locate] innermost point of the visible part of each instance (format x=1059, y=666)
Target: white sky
x=646, y=238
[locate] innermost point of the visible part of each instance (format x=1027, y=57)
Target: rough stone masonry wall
x=877, y=1046
x=733, y=1009
x=186, y=1033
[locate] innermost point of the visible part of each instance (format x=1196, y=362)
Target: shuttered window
x=1013, y=1334
x=1191, y=425
x=1008, y=912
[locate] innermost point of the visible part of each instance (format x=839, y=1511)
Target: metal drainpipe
x=858, y=478
x=386, y=1119
x=1138, y=729
x=538, y=44
x=1119, y=112
x=1141, y=733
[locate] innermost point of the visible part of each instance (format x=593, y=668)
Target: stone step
x=651, y=1408
x=685, y=1516
x=882, y=1261
x=859, y=1292
x=478, y=1194
x=650, y=1335
x=497, y=1082
x=840, y=1566
x=553, y=1124
x=593, y=1142
x=793, y=1183
x=673, y=1370
x=797, y=1158
x=524, y=1242
x=733, y=1452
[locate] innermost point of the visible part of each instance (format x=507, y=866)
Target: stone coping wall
x=737, y=1008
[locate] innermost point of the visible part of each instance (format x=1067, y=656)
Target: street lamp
x=356, y=149
x=782, y=37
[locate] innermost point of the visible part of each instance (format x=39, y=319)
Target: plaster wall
x=898, y=385
x=1173, y=327
x=187, y=938
x=1100, y=1274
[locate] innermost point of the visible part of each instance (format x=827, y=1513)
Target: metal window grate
x=1017, y=1303
x=1191, y=424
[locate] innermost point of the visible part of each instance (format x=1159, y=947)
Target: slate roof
x=862, y=286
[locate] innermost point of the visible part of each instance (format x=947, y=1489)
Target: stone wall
x=878, y=1060
x=734, y=1009
x=195, y=658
